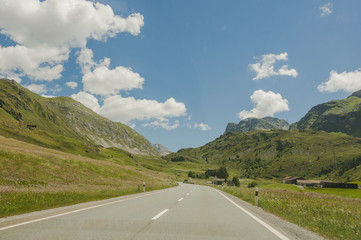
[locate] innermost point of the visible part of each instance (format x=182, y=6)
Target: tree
x=192, y=174
x=236, y=182
x=222, y=173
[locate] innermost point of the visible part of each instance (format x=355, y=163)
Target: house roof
x=290, y=178
x=219, y=179
x=309, y=181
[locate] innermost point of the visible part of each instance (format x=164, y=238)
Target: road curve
x=185, y=212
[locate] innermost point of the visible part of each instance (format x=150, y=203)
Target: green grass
x=12, y=203
x=351, y=193
x=34, y=178
x=330, y=216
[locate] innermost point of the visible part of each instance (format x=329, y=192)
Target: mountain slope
x=62, y=123
x=161, y=149
x=252, y=124
x=279, y=153
x=334, y=116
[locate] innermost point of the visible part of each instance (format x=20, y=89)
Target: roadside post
x=222, y=186
x=256, y=197
x=143, y=186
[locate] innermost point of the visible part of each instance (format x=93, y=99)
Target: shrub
x=236, y=182
x=252, y=184
x=192, y=174
x=222, y=173
x=178, y=159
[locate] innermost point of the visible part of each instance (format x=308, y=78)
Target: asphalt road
x=184, y=212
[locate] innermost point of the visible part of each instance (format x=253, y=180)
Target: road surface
x=184, y=212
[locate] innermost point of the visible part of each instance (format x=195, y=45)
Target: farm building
x=218, y=181
x=309, y=183
x=292, y=180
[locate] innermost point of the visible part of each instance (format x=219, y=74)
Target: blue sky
x=179, y=71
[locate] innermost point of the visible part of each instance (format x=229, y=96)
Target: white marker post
x=143, y=186
x=256, y=197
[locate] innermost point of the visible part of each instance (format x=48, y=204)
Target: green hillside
x=63, y=123
x=280, y=153
x=334, y=116
x=34, y=178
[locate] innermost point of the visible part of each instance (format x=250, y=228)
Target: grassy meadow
x=34, y=178
x=327, y=212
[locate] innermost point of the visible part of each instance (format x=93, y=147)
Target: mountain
x=63, y=123
x=161, y=149
x=280, y=153
x=334, y=116
x=252, y=124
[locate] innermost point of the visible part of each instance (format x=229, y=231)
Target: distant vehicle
x=185, y=181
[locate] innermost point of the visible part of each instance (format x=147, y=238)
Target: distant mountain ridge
x=161, y=149
x=334, y=116
x=62, y=123
x=253, y=124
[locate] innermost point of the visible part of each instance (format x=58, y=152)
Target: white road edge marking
x=75, y=211
x=187, y=194
x=274, y=231
x=180, y=199
x=160, y=214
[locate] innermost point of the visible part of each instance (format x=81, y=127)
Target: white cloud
x=99, y=79
x=163, y=124
x=48, y=96
x=265, y=67
x=326, y=9
x=124, y=110
x=87, y=100
x=37, y=88
x=267, y=104
x=202, y=126
x=346, y=81
x=39, y=63
x=45, y=32
x=72, y=85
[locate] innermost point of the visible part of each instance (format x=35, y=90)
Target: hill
x=63, y=123
x=279, y=153
x=161, y=149
x=334, y=116
x=34, y=178
x=252, y=124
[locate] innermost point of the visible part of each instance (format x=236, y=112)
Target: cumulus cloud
x=326, y=9
x=124, y=110
x=163, y=124
x=265, y=67
x=46, y=31
x=267, y=104
x=37, y=88
x=345, y=81
x=202, y=126
x=87, y=100
x=99, y=79
x=72, y=85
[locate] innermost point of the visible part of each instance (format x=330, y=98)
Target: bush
x=178, y=159
x=252, y=184
x=210, y=173
x=222, y=173
x=236, y=182
x=192, y=174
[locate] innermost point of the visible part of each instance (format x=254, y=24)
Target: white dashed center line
x=180, y=199
x=160, y=214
